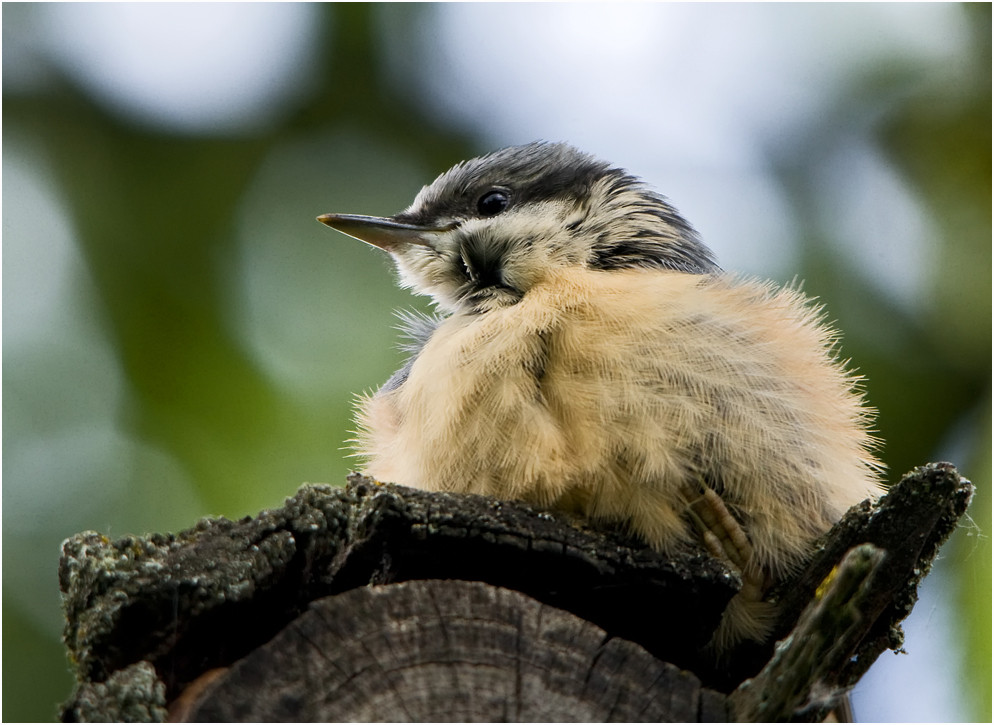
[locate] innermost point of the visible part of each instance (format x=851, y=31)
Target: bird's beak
x=381, y=232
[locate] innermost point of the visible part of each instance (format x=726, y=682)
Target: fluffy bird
x=592, y=357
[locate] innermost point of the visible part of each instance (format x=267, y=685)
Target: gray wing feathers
x=417, y=328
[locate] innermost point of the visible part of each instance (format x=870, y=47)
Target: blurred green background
x=182, y=338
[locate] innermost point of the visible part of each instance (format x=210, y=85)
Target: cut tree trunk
x=377, y=602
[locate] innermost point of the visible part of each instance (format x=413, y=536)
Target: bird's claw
x=724, y=537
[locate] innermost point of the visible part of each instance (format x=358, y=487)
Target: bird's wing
x=417, y=328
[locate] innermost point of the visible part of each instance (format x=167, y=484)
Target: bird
x=588, y=355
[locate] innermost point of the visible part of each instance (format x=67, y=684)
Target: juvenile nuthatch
x=592, y=357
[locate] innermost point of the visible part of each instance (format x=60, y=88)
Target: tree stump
x=376, y=602
x=451, y=651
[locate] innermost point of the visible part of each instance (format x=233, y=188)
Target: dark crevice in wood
x=215, y=595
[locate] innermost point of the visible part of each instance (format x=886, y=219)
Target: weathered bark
x=571, y=623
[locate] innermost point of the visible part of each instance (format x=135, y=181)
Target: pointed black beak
x=382, y=232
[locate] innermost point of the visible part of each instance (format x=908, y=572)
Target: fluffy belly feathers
x=606, y=393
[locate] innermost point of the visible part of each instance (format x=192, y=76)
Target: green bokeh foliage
x=158, y=218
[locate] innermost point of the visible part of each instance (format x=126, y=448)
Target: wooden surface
x=450, y=651
x=225, y=619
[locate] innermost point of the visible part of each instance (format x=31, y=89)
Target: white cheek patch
x=542, y=245
x=528, y=239
x=429, y=273
x=542, y=221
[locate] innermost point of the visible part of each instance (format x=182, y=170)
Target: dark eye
x=493, y=202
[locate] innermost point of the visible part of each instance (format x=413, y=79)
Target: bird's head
x=488, y=229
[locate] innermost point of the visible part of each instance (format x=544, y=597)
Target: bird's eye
x=493, y=202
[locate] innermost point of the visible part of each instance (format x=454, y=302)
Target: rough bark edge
x=147, y=598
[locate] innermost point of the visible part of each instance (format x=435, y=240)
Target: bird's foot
x=724, y=538
x=720, y=531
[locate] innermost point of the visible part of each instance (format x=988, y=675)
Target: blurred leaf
x=241, y=328
x=972, y=547
x=37, y=679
